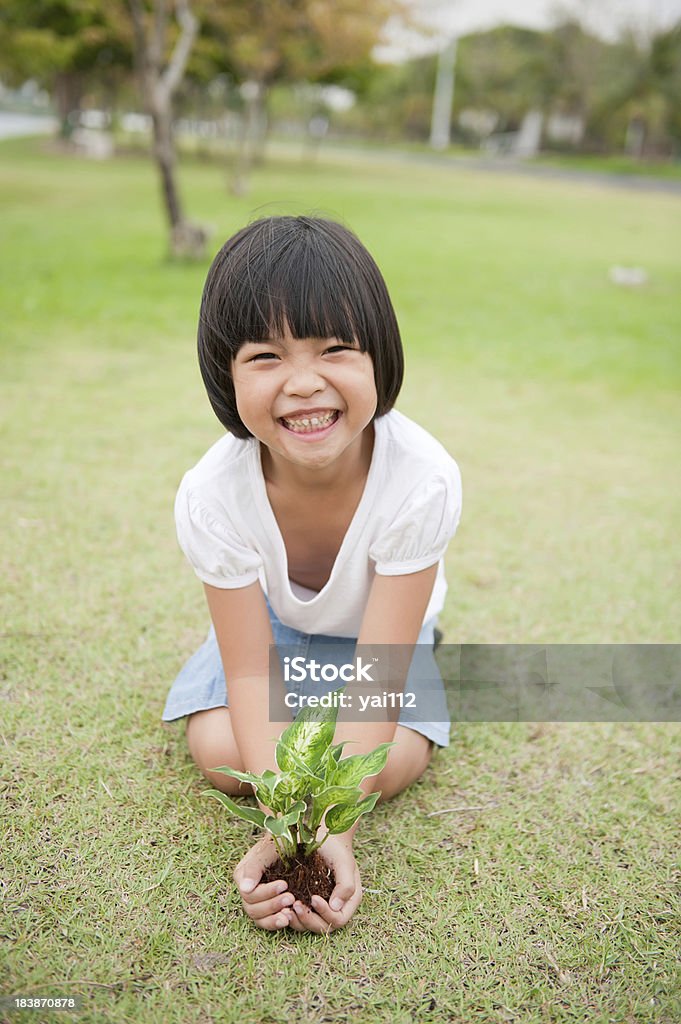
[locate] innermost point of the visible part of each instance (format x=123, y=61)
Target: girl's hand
x=266, y=905
x=345, y=898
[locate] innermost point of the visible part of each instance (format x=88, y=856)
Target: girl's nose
x=303, y=381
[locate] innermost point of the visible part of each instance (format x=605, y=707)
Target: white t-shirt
x=407, y=514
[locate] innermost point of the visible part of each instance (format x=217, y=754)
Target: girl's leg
x=407, y=761
x=211, y=743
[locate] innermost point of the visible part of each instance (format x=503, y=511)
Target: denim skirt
x=201, y=683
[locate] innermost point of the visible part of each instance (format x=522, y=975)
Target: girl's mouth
x=316, y=423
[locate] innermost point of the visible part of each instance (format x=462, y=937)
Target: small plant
x=315, y=784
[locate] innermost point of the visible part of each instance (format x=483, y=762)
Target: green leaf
x=265, y=788
x=296, y=812
x=337, y=750
x=306, y=834
x=340, y=819
x=351, y=770
x=285, y=787
x=281, y=827
x=254, y=780
x=278, y=827
x=295, y=763
x=252, y=814
x=316, y=783
x=346, y=795
x=303, y=744
x=262, y=784
x=331, y=758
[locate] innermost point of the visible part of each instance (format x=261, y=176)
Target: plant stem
x=279, y=848
x=309, y=850
x=289, y=854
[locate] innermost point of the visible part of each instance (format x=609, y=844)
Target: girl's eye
x=262, y=355
x=341, y=348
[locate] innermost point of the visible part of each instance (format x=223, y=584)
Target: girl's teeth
x=313, y=422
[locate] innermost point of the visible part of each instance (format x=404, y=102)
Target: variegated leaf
x=278, y=827
x=306, y=740
x=294, y=761
x=340, y=819
x=295, y=813
x=351, y=770
x=337, y=750
x=241, y=776
x=252, y=814
x=346, y=795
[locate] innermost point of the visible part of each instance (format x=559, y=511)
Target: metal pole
x=444, y=97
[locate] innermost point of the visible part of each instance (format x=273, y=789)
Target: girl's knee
x=407, y=761
x=211, y=744
x=420, y=754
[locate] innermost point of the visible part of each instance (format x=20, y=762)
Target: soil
x=305, y=876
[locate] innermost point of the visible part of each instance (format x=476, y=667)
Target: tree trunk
x=634, y=143
x=187, y=240
x=251, y=134
x=164, y=154
x=68, y=93
x=159, y=81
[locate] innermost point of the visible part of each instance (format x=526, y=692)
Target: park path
x=510, y=165
x=15, y=125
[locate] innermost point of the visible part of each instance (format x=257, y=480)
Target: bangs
x=300, y=279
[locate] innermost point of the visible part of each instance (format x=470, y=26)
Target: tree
x=637, y=98
x=66, y=46
x=651, y=95
x=160, y=70
x=504, y=69
x=665, y=58
x=625, y=93
x=282, y=41
x=575, y=62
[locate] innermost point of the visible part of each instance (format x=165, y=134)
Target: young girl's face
x=308, y=399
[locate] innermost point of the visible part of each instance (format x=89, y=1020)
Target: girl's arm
x=244, y=634
x=396, y=606
x=393, y=615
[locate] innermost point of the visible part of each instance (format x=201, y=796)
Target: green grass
x=616, y=164
x=554, y=897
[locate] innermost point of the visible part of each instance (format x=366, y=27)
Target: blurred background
x=569, y=83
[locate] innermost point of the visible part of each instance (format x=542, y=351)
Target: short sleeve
x=213, y=549
x=418, y=536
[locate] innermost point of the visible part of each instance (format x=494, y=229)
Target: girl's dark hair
x=310, y=274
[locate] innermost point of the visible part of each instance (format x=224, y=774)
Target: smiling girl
x=321, y=518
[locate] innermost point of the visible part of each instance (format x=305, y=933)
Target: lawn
x=547, y=890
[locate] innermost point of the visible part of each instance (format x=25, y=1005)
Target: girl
x=321, y=518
